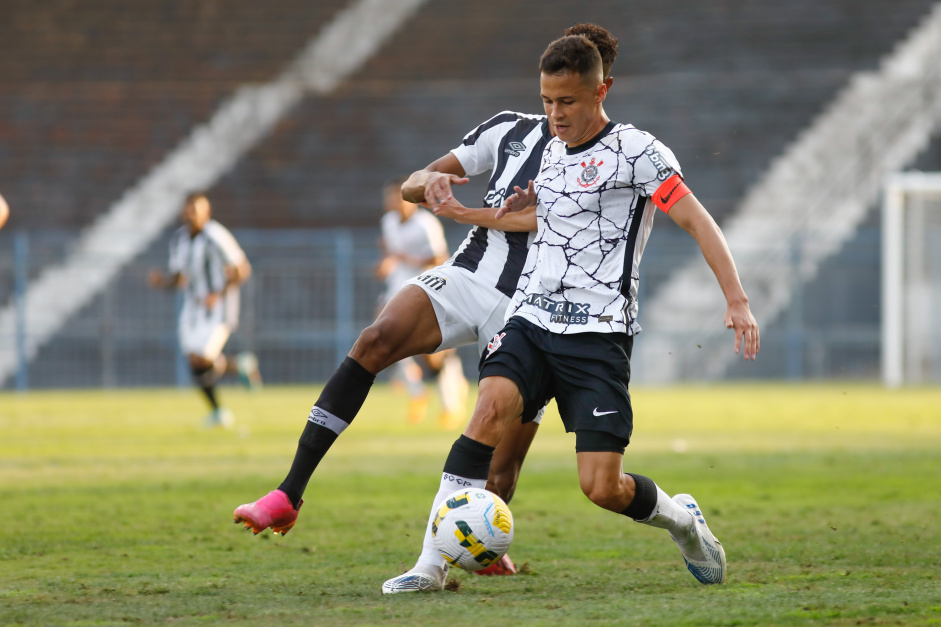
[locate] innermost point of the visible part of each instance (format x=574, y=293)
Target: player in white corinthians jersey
x=570, y=328
x=209, y=266
x=459, y=302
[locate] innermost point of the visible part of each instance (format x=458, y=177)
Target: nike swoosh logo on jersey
x=666, y=199
x=595, y=412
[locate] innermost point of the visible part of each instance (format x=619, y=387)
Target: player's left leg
x=407, y=326
x=603, y=481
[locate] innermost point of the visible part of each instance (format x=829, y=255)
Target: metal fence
x=312, y=291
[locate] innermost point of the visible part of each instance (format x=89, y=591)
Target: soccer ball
x=473, y=528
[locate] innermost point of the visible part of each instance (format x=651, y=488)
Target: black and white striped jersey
x=202, y=259
x=511, y=145
x=594, y=216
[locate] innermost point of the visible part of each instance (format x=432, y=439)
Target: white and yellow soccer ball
x=473, y=528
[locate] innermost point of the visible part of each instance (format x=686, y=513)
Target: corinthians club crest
x=589, y=175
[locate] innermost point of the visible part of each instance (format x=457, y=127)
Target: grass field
x=117, y=508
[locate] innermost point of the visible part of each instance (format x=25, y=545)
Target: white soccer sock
x=452, y=385
x=667, y=514
x=449, y=483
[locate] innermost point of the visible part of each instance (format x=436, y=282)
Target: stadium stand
x=96, y=93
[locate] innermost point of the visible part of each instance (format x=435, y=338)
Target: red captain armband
x=667, y=194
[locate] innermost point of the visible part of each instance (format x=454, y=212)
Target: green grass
x=116, y=509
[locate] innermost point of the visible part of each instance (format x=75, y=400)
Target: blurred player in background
x=571, y=323
x=413, y=241
x=460, y=302
x=208, y=265
x=4, y=212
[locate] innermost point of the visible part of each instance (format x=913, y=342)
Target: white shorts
x=468, y=309
x=202, y=331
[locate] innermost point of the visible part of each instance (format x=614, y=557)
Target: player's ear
x=609, y=81
x=602, y=92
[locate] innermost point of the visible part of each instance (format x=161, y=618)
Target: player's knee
x=374, y=348
x=491, y=413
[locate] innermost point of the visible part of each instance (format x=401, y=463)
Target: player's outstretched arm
x=689, y=213
x=431, y=185
x=159, y=280
x=519, y=201
x=520, y=222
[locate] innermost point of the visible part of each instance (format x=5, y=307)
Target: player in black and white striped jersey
x=208, y=265
x=460, y=302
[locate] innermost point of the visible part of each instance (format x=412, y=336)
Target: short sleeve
x=653, y=166
x=232, y=253
x=479, y=150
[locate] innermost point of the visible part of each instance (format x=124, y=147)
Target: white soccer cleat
x=703, y=553
x=219, y=418
x=247, y=367
x=420, y=579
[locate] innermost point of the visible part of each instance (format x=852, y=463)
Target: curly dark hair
x=606, y=43
x=573, y=53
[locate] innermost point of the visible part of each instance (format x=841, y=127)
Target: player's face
x=573, y=105
x=395, y=202
x=196, y=214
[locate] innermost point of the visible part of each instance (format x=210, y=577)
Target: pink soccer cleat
x=503, y=566
x=272, y=510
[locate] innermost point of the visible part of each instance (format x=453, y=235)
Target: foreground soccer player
x=461, y=302
x=573, y=316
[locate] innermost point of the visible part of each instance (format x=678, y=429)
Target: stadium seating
x=97, y=93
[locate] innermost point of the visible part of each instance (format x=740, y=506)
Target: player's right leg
x=467, y=466
x=407, y=326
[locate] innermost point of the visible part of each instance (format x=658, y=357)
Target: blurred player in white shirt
x=208, y=265
x=413, y=241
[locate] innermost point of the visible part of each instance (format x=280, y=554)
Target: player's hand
x=451, y=208
x=517, y=202
x=739, y=318
x=386, y=266
x=211, y=300
x=155, y=278
x=438, y=188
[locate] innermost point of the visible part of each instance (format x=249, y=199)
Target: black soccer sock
x=206, y=381
x=469, y=458
x=645, y=498
x=340, y=401
x=210, y=392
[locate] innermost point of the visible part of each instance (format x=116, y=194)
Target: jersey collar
x=574, y=150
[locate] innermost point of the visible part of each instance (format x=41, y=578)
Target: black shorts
x=587, y=373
